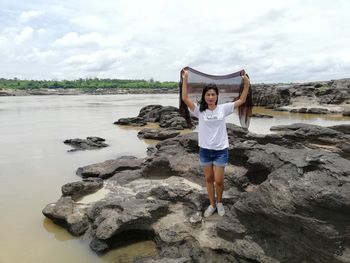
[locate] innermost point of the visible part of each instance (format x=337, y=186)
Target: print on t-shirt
x=212, y=115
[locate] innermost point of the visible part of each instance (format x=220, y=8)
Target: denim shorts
x=213, y=157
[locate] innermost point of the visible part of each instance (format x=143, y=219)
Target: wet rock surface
x=89, y=143
x=287, y=199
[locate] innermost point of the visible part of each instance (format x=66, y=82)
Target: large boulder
x=166, y=116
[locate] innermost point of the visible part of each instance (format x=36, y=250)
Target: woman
x=212, y=137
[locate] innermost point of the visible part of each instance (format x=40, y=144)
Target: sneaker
x=210, y=210
x=221, y=209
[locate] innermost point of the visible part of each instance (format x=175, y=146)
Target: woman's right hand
x=245, y=79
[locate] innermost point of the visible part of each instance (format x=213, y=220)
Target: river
x=34, y=164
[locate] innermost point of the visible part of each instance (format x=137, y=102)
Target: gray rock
x=110, y=167
x=67, y=213
x=344, y=128
x=167, y=116
x=317, y=110
x=86, y=144
x=258, y=115
x=322, y=92
x=82, y=188
x=134, y=121
x=157, y=134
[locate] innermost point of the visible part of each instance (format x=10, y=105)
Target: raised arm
x=185, y=97
x=244, y=94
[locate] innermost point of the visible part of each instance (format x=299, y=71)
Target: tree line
x=94, y=83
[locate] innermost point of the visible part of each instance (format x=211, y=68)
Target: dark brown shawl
x=230, y=88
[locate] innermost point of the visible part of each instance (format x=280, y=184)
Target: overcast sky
x=274, y=41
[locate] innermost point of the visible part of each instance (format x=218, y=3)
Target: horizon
x=154, y=80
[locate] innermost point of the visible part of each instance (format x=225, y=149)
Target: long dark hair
x=202, y=103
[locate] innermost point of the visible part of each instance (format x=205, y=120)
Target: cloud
x=91, y=22
x=97, y=61
x=73, y=39
x=25, y=34
x=26, y=16
x=36, y=55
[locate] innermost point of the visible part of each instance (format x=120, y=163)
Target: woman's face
x=211, y=97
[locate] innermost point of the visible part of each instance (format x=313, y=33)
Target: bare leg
x=219, y=181
x=209, y=180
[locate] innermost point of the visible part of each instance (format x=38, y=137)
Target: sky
x=274, y=41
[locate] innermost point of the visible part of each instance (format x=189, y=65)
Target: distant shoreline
x=99, y=91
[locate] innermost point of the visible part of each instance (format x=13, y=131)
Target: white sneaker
x=221, y=209
x=210, y=210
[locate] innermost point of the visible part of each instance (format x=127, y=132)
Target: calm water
x=34, y=164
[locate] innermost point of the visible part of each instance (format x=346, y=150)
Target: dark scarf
x=230, y=88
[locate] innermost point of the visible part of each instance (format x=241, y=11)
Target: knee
x=219, y=183
x=209, y=179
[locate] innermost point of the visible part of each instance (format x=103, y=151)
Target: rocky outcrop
x=166, y=116
x=306, y=95
x=287, y=199
x=85, y=144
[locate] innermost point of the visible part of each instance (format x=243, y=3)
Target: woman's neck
x=211, y=107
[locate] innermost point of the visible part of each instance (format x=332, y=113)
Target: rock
x=150, y=113
x=86, y=144
x=157, y=134
x=317, y=110
x=165, y=260
x=344, y=128
x=134, y=121
x=258, y=115
x=158, y=167
x=287, y=199
x=346, y=113
x=264, y=95
x=300, y=110
x=317, y=93
x=280, y=109
x=110, y=167
x=314, y=137
x=173, y=120
x=67, y=213
x=167, y=116
x=82, y=188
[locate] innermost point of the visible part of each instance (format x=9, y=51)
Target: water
x=34, y=164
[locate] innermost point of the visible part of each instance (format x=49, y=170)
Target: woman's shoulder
x=224, y=105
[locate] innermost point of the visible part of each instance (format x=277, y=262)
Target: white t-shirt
x=212, y=133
